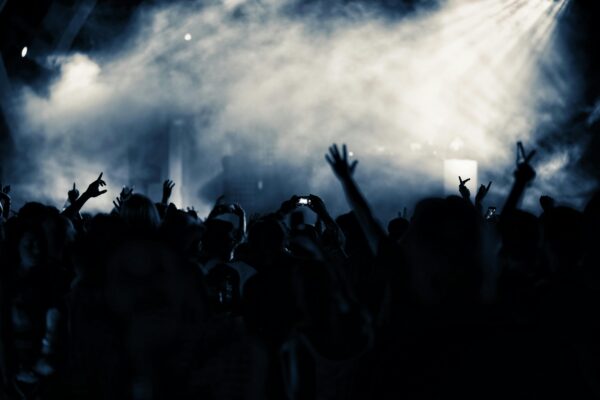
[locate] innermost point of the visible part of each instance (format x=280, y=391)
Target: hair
x=140, y=214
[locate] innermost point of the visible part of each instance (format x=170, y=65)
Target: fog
x=273, y=89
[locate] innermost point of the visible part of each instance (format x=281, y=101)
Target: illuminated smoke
x=462, y=81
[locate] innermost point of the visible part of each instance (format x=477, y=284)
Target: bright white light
x=78, y=87
x=469, y=69
x=24, y=52
x=457, y=144
x=465, y=169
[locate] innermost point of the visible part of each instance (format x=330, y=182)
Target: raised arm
x=524, y=174
x=481, y=193
x=93, y=190
x=344, y=170
x=168, y=186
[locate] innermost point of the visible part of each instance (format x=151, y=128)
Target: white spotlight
x=187, y=37
x=24, y=52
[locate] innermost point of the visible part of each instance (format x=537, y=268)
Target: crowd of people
x=150, y=301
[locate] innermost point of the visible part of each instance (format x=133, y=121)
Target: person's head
x=267, y=237
x=397, y=227
x=32, y=248
x=442, y=250
x=140, y=214
x=105, y=232
x=520, y=233
x=218, y=239
x=60, y=234
x=183, y=231
x=34, y=231
x=563, y=238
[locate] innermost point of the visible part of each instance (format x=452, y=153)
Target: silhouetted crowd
x=151, y=301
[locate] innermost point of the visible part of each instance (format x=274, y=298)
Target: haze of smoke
x=403, y=94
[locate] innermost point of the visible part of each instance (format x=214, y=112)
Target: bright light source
x=188, y=37
x=465, y=169
x=24, y=52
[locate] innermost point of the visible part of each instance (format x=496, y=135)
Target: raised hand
x=73, y=194
x=344, y=170
x=524, y=172
x=339, y=162
x=93, y=189
x=482, y=192
x=464, y=191
x=289, y=205
x=126, y=193
x=117, y=203
x=316, y=204
x=168, y=186
x=523, y=175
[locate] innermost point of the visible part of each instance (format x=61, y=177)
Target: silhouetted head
x=520, y=232
x=183, y=231
x=563, y=238
x=442, y=249
x=218, y=239
x=140, y=214
x=397, y=227
x=267, y=237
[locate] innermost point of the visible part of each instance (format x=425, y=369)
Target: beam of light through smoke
x=401, y=93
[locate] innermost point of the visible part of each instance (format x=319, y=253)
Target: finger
x=329, y=160
x=345, y=152
x=520, y=150
x=102, y=191
x=100, y=177
x=466, y=180
x=488, y=186
x=460, y=180
x=530, y=156
x=73, y=185
x=115, y=204
x=102, y=183
x=353, y=165
x=332, y=152
x=336, y=152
